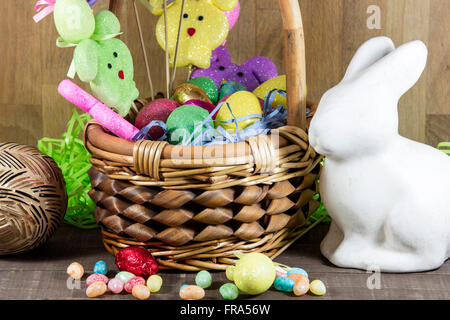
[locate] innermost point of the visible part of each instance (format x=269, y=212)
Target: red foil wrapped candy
x=136, y=260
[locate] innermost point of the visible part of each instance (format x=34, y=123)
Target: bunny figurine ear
x=85, y=58
x=262, y=68
x=370, y=52
x=225, y=5
x=401, y=68
x=106, y=23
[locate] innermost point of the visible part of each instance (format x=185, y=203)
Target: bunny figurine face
x=251, y=73
x=388, y=196
x=107, y=65
x=204, y=28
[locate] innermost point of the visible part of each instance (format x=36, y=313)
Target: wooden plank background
x=32, y=66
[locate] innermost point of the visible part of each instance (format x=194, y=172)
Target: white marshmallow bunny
x=388, y=196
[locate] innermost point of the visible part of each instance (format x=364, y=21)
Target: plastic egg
x=96, y=289
x=158, y=109
x=241, y=103
x=75, y=270
x=124, y=276
x=100, y=267
x=297, y=271
x=301, y=286
x=274, y=83
x=229, y=271
x=154, y=283
x=192, y=293
x=140, y=291
x=208, y=86
x=133, y=282
x=254, y=273
x=230, y=87
x=203, y=279
x=229, y=291
x=317, y=287
x=284, y=284
x=96, y=277
x=188, y=91
x=115, y=285
x=203, y=104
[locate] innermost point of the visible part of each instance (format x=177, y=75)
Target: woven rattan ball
x=33, y=198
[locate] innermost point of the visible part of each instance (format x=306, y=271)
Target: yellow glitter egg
x=317, y=287
x=274, y=83
x=242, y=103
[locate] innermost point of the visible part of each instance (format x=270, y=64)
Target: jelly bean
x=183, y=286
x=75, y=270
x=133, y=282
x=141, y=292
x=115, y=285
x=297, y=271
x=192, y=293
x=203, y=279
x=124, y=276
x=229, y=291
x=100, y=267
x=229, y=272
x=281, y=274
x=284, y=284
x=318, y=288
x=301, y=285
x=96, y=289
x=296, y=277
x=96, y=277
x=154, y=283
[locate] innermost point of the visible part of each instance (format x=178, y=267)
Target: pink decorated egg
x=159, y=109
x=203, y=104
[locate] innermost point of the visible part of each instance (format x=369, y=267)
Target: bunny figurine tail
x=388, y=196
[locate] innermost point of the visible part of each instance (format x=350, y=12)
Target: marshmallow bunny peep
x=388, y=196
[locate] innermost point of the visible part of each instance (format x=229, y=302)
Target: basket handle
x=294, y=52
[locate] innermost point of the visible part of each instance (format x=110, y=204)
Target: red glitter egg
x=136, y=260
x=159, y=109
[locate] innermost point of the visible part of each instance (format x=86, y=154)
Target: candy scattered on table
x=296, y=277
x=136, y=260
x=297, y=271
x=242, y=104
x=254, y=273
x=124, y=276
x=318, y=288
x=284, y=284
x=229, y=291
x=141, y=292
x=251, y=73
x=188, y=91
x=184, y=121
x=229, y=273
x=115, y=285
x=75, y=270
x=203, y=279
x=95, y=277
x=100, y=267
x=301, y=286
x=208, y=86
x=154, y=283
x=192, y=293
x=157, y=110
x=96, y=289
x=133, y=282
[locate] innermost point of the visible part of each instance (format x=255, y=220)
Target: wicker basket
x=193, y=207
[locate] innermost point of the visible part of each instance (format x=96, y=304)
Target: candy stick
x=103, y=114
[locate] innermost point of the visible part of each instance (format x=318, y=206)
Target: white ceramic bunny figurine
x=388, y=196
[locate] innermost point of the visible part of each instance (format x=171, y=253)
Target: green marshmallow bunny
x=106, y=63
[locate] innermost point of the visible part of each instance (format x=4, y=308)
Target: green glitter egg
x=183, y=124
x=208, y=86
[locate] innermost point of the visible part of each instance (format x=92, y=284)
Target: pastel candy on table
x=107, y=65
x=204, y=28
x=251, y=73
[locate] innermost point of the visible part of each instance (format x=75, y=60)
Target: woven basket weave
x=192, y=207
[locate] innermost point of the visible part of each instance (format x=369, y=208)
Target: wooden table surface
x=41, y=274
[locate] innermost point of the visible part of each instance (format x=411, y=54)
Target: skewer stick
x=141, y=37
x=167, y=51
x=174, y=71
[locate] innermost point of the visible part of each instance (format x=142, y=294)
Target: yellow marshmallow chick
x=203, y=29
x=242, y=103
